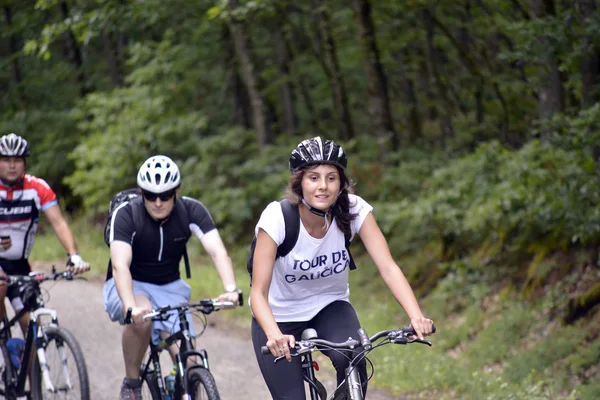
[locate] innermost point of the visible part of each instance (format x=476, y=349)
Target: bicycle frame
x=352, y=378
x=16, y=378
x=309, y=375
x=186, y=350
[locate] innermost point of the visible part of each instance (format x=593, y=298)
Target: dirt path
x=231, y=356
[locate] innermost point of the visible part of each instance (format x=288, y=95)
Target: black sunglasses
x=164, y=196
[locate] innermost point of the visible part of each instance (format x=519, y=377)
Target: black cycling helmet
x=314, y=151
x=12, y=145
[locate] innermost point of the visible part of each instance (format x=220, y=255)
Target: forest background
x=472, y=126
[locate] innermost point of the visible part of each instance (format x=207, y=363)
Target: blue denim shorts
x=173, y=293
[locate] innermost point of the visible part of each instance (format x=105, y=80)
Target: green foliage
x=542, y=354
x=470, y=205
x=540, y=192
x=124, y=128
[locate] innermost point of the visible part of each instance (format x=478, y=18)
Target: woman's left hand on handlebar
x=422, y=326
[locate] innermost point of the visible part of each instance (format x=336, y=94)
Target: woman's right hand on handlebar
x=281, y=344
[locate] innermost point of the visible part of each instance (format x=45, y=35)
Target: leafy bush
x=540, y=192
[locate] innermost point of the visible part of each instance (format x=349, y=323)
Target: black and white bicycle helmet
x=158, y=174
x=13, y=145
x=314, y=151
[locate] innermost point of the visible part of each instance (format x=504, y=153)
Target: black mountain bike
x=59, y=369
x=193, y=379
x=354, y=350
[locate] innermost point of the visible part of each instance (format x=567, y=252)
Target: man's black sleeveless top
x=158, y=246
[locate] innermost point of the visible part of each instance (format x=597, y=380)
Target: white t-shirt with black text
x=315, y=272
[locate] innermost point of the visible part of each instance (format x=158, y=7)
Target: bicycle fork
x=354, y=385
x=41, y=343
x=309, y=375
x=183, y=372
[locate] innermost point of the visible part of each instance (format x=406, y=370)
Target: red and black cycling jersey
x=20, y=205
x=157, y=247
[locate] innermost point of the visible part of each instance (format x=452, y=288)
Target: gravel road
x=230, y=353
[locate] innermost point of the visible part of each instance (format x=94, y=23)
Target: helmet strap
x=320, y=213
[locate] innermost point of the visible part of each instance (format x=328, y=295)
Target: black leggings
x=335, y=323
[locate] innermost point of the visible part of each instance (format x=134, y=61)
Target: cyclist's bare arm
x=120, y=256
x=212, y=243
x=61, y=228
x=64, y=234
x=264, y=258
x=378, y=249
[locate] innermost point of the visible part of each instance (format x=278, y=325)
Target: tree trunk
x=251, y=80
x=463, y=40
x=379, y=101
x=286, y=93
x=12, y=46
x=13, y=49
x=240, y=102
x=301, y=85
x=328, y=51
x=112, y=58
x=589, y=66
x=442, y=91
x=410, y=100
x=550, y=93
x=72, y=51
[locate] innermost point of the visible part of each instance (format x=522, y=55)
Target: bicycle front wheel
x=202, y=385
x=150, y=389
x=67, y=372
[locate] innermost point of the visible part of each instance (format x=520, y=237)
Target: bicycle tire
x=202, y=385
x=321, y=391
x=342, y=392
x=58, y=337
x=4, y=367
x=150, y=387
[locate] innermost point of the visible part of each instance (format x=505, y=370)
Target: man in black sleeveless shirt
x=147, y=240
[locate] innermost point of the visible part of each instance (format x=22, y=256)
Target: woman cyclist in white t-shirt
x=308, y=288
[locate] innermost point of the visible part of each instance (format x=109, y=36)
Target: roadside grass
x=487, y=346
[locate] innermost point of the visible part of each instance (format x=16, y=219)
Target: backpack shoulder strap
x=347, y=238
x=185, y=222
x=137, y=211
x=291, y=218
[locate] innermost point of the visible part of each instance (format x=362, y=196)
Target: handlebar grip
x=364, y=339
x=411, y=331
x=265, y=350
x=128, y=316
x=240, y=297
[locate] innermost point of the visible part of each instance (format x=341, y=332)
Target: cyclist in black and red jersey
x=22, y=197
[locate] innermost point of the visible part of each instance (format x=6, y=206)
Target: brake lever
x=427, y=342
x=283, y=357
x=406, y=340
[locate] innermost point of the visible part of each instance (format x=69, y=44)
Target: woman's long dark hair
x=341, y=208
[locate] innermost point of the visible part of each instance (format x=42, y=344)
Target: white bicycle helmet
x=12, y=145
x=158, y=174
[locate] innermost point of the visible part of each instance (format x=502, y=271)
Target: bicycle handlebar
x=205, y=306
x=39, y=277
x=398, y=336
